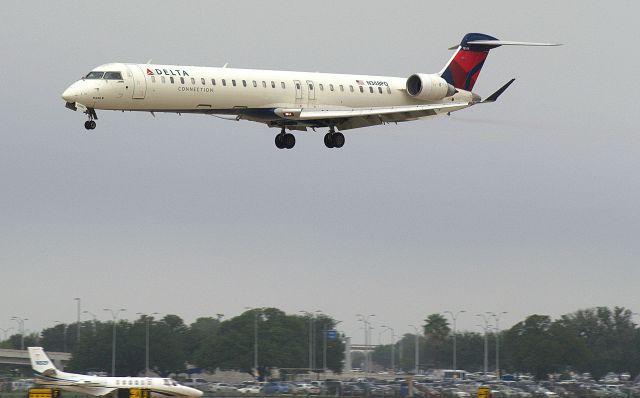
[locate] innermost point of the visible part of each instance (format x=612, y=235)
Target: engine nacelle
x=427, y=87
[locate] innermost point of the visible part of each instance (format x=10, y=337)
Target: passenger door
x=139, y=82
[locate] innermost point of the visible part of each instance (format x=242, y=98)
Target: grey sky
x=528, y=206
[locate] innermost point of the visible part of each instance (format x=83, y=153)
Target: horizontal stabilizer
x=494, y=97
x=509, y=43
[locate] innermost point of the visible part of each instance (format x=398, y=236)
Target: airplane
x=289, y=100
x=48, y=375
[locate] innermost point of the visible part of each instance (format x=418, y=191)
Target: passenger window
x=380, y=89
x=233, y=82
x=264, y=84
x=171, y=79
x=351, y=88
x=321, y=86
x=341, y=87
x=163, y=79
x=193, y=80
x=273, y=84
x=297, y=86
x=244, y=83
x=202, y=80
x=310, y=86
x=153, y=79
x=224, y=82
x=213, y=82
x=282, y=84
x=182, y=80
x=331, y=87
x=361, y=89
x=371, y=89
x=255, y=83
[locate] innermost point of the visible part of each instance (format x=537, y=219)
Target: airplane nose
x=71, y=94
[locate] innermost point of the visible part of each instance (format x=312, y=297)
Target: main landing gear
x=285, y=140
x=90, y=124
x=333, y=139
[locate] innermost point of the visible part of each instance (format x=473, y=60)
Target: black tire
x=338, y=140
x=289, y=140
x=92, y=124
x=328, y=140
x=279, y=141
x=87, y=125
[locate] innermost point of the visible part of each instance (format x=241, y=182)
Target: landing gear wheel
x=289, y=141
x=328, y=140
x=89, y=125
x=280, y=141
x=338, y=140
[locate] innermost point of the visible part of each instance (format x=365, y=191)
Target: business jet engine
x=427, y=87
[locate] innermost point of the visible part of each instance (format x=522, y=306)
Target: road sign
x=484, y=392
x=332, y=334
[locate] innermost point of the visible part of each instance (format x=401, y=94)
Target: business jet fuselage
x=48, y=375
x=284, y=99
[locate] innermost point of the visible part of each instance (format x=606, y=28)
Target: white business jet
x=47, y=375
x=289, y=100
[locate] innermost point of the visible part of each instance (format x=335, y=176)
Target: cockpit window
x=94, y=75
x=113, y=75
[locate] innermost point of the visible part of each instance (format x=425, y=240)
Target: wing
x=351, y=118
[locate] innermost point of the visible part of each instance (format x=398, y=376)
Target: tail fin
x=463, y=69
x=40, y=362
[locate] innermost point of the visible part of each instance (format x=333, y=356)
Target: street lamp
x=114, y=316
x=5, y=331
x=417, y=353
x=64, y=335
x=367, y=341
x=20, y=322
x=94, y=319
x=78, y=318
x=454, y=317
x=485, y=318
x=257, y=313
x=497, y=318
x=146, y=356
x=312, y=348
x=393, y=347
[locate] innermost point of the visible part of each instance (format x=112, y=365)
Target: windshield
x=113, y=75
x=94, y=75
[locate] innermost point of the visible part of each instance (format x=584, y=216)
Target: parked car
x=222, y=387
x=308, y=388
x=249, y=390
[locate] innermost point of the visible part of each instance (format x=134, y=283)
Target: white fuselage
x=99, y=386
x=252, y=93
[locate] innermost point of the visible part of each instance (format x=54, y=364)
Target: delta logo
x=167, y=72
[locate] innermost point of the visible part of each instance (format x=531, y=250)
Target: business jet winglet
x=289, y=100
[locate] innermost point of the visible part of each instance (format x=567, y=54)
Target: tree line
x=209, y=343
x=596, y=340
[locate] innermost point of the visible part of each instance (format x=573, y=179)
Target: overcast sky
x=529, y=205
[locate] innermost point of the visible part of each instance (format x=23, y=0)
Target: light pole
x=454, y=317
x=417, y=347
x=64, y=335
x=20, y=322
x=94, y=319
x=393, y=347
x=497, y=318
x=485, y=318
x=5, y=331
x=78, y=318
x=257, y=313
x=367, y=341
x=114, y=316
x=146, y=356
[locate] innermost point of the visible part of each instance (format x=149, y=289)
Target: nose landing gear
x=90, y=124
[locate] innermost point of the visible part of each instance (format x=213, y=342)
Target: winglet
x=494, y=97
